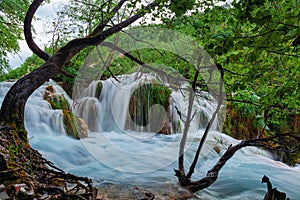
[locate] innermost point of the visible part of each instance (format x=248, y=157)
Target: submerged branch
x=212, y=174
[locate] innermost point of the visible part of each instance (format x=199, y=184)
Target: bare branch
x=131, y=57
x=212, y=174
x=27, y=30
x=192, y=167
x=101, y=26
x=107, y=63
x=188, y=121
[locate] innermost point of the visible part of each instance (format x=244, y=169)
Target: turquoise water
x=129, y=158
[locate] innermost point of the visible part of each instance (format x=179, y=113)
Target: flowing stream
x=113, y=154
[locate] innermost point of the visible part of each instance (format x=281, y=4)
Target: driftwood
x=272, y=193
x=212, y=174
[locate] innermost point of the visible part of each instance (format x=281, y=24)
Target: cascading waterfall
x=110, y=109
x=113, y=154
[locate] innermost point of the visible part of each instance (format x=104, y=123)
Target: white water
x=126, y=157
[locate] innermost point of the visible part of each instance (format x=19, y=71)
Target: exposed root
x=27, y=175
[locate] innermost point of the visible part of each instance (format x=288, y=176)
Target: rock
x=216, y=148
x=148, y=109
x=110, y=191
x=166, y=126
x=82, y=128
x=57, y=101
x=142, y=194
x=74, y=126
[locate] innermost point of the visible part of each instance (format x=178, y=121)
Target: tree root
x=27, y=175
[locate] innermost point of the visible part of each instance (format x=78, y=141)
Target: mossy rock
x=98, y=89
x=74, y=126
x=142, y=100
x=57, y=101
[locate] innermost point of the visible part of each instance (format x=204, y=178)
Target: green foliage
x=255, y=42
x=179, y=7
x=252, y=41
x=143, y=98
x=30, y=64
x=12, y=13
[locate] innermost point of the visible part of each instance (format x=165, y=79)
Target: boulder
x=57, y=101
x=74, y=126
x=82, y=128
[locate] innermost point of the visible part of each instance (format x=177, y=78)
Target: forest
x=160, y=99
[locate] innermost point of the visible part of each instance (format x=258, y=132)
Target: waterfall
x=115, y=154
x=110, y=110
x=41, y=118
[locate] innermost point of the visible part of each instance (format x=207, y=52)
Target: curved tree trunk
x=24, y=172
x=12, y=110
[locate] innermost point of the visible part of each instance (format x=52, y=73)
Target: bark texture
x=23, y=171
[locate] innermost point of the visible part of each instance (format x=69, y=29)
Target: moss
x=70, y=123
x=74, y=126
x=98, y=89
x=176, y=126
x=58, y=101
x=143, y=98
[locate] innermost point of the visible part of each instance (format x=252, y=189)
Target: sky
x=44, y=14
x=42, y=36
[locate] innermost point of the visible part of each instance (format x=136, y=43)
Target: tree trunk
x=12, y=110
x=19, y=163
